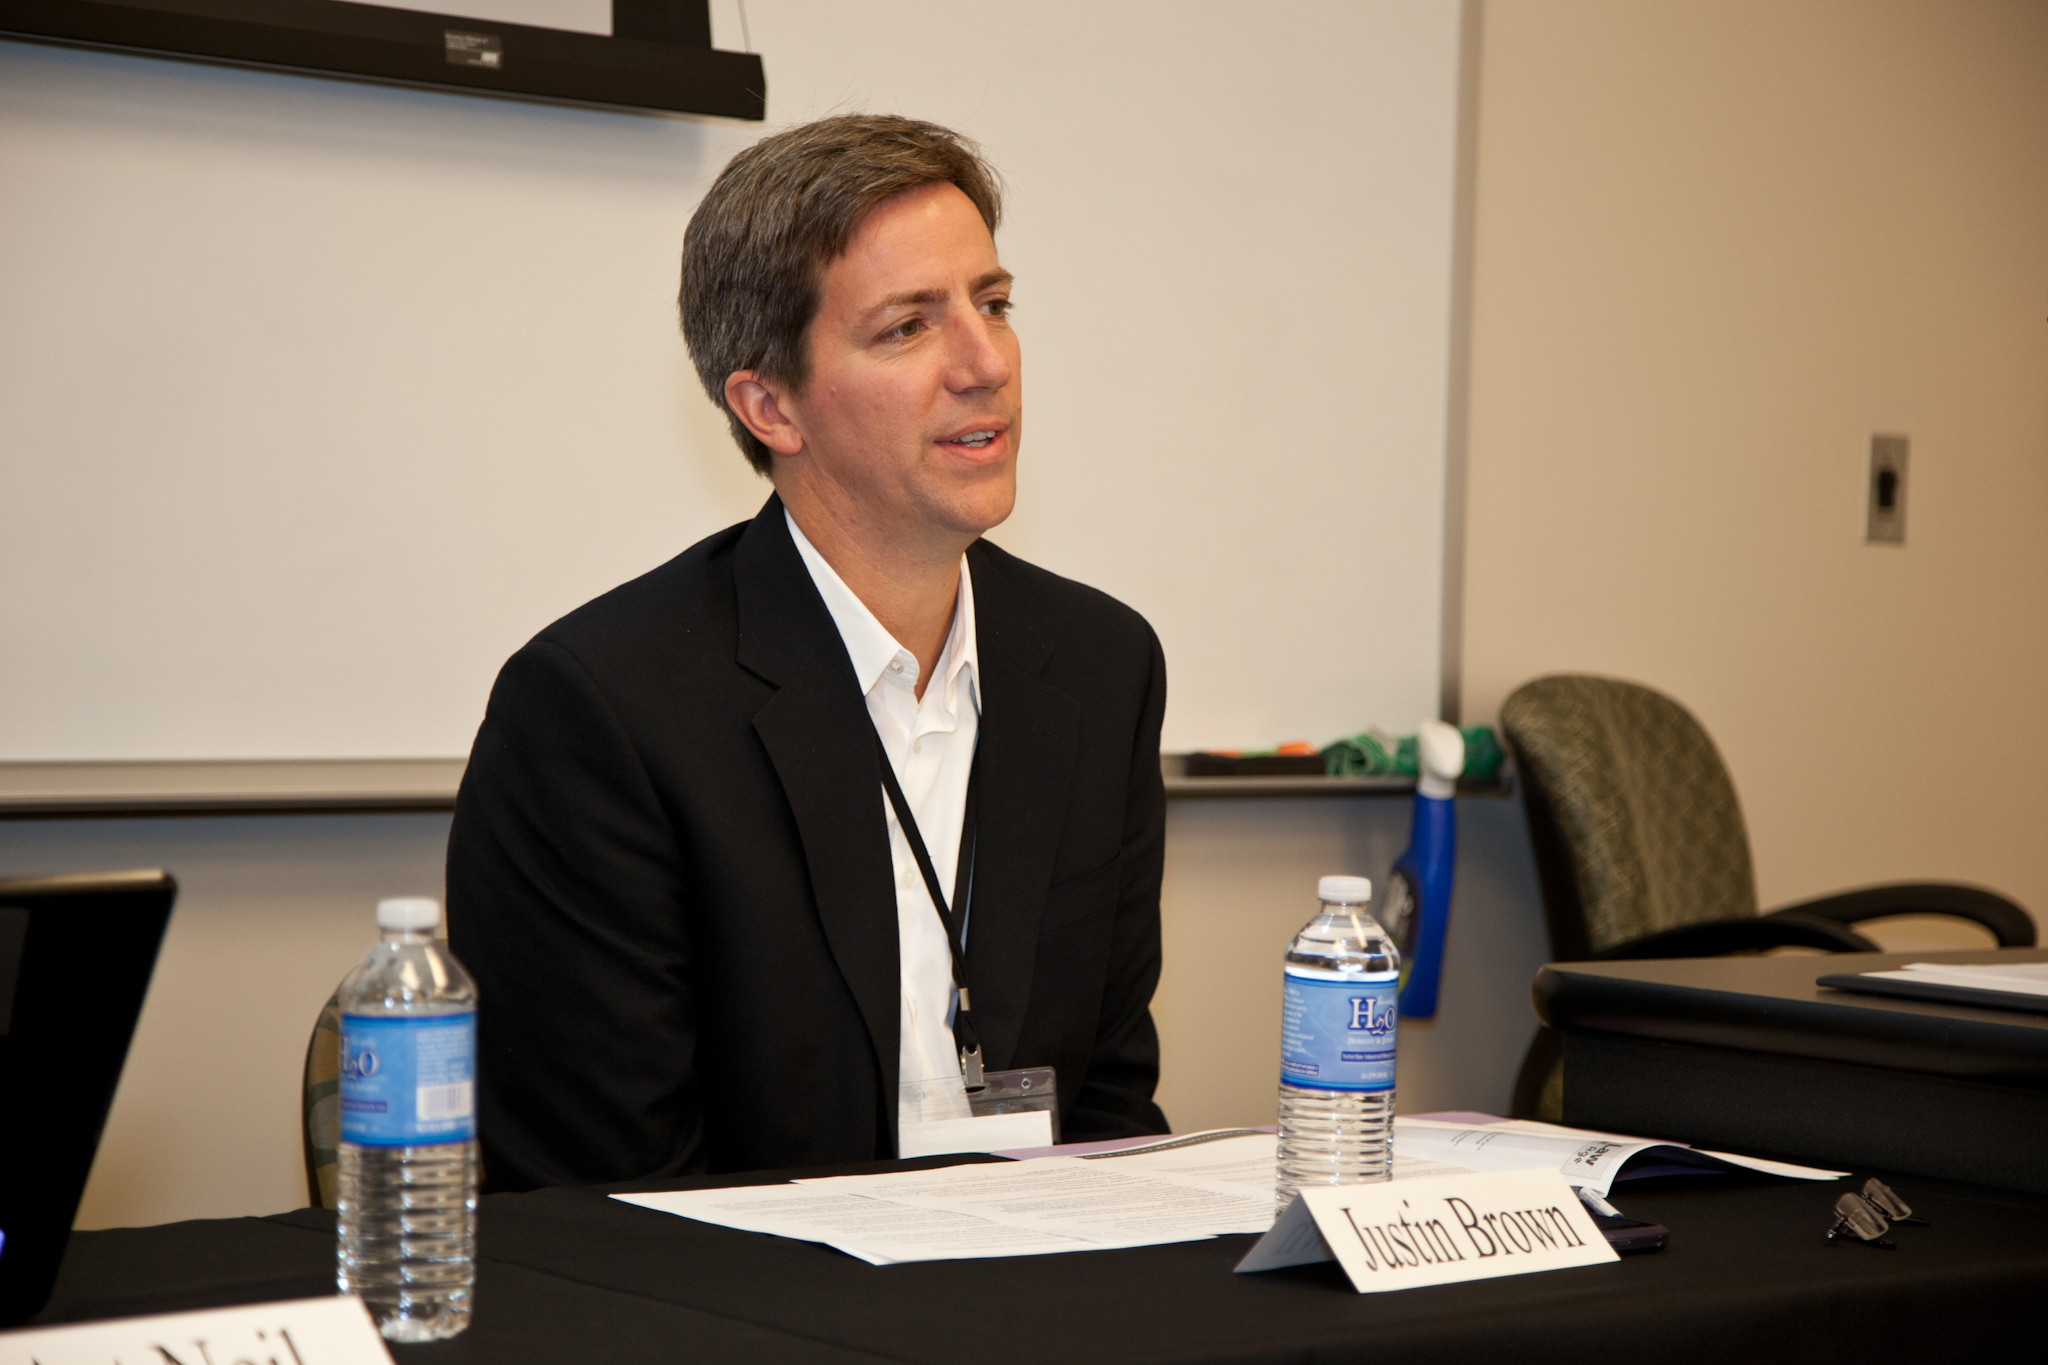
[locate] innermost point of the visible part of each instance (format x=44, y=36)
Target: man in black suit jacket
x=671, y=867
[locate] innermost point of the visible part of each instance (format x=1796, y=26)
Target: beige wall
x=272, y=912
x=1718, y=244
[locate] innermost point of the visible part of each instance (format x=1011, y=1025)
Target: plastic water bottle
x=1339, y=1023
x=407, y=1188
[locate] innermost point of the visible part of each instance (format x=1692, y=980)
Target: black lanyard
x=955, y=923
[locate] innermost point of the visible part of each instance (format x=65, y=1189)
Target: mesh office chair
x=320, y=1105
x=1641, y=850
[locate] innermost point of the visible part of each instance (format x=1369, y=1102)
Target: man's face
x=911, y=418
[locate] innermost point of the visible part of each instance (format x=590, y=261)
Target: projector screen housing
x=657, y=58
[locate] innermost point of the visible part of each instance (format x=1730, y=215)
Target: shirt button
x=896, y=667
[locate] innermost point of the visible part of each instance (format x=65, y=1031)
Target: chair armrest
x=1744, y=933
x=2008, y=923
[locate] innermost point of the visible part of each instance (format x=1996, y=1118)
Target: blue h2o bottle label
x=1338, y=1035
x=408, y=1080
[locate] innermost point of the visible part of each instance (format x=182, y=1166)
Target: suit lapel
x=1029, y=735
x=819, y=737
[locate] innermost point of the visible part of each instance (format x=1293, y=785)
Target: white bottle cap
x=1345, y=890
x=418, y=913
x=1440, y=754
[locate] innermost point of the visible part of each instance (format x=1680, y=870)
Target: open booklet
x=1586, y=1159
x=1175, y=1190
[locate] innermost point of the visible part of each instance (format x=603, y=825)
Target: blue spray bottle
x=1418, y=900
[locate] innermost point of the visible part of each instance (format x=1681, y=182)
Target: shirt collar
x=870, y=646
x=959, y=658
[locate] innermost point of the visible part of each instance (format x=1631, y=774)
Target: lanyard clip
x=970, y=1069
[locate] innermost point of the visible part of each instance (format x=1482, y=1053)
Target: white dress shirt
x=931, y=743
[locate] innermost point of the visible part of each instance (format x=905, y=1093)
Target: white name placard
x=329, y=1331
x=1439, y=1230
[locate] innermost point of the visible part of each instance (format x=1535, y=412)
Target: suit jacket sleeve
x=1116, y=1096
x=566, y=901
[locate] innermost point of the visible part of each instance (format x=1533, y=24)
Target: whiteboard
x=318, y=399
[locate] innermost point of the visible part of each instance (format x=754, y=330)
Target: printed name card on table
x=1439, y=1230
x=327, y=1331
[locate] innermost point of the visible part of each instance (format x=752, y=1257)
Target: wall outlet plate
x=1885, y=523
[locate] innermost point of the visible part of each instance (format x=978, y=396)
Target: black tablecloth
x=573, y=1275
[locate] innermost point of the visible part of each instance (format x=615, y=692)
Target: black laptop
x=76, y=954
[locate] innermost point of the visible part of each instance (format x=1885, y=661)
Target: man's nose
x=980, y=359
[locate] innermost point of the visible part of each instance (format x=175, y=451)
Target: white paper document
x=1246, y=1161
x=1180, y=1190
x=874, y=1230
x=1075, y=1197
x=2019, y=978
x=1593, y=1160
x=1020, y=1208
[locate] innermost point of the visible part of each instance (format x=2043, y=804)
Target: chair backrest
x=320, y=1105
x=1635, y=823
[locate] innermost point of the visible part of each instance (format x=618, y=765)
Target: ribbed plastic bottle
x=408, y=1164
x=1416, y=909
x=1339, y=1024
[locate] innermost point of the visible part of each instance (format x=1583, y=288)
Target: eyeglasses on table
x=1869, y=1215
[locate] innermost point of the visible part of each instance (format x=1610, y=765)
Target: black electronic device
x=76, y=954
x=1629, y=1236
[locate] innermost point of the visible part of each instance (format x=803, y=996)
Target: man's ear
x=756, y=401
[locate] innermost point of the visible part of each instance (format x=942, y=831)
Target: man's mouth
x=973, y=440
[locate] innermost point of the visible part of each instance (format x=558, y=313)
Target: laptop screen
x=76, y=955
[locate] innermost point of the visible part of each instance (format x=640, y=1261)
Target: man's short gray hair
x=778, y=214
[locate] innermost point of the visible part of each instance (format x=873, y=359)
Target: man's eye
x=904, y=330
x=998, y=308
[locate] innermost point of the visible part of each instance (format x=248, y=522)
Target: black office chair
x=1642, y=853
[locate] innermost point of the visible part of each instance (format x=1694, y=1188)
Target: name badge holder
x=1024, y=1090
x=1027, y=1090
